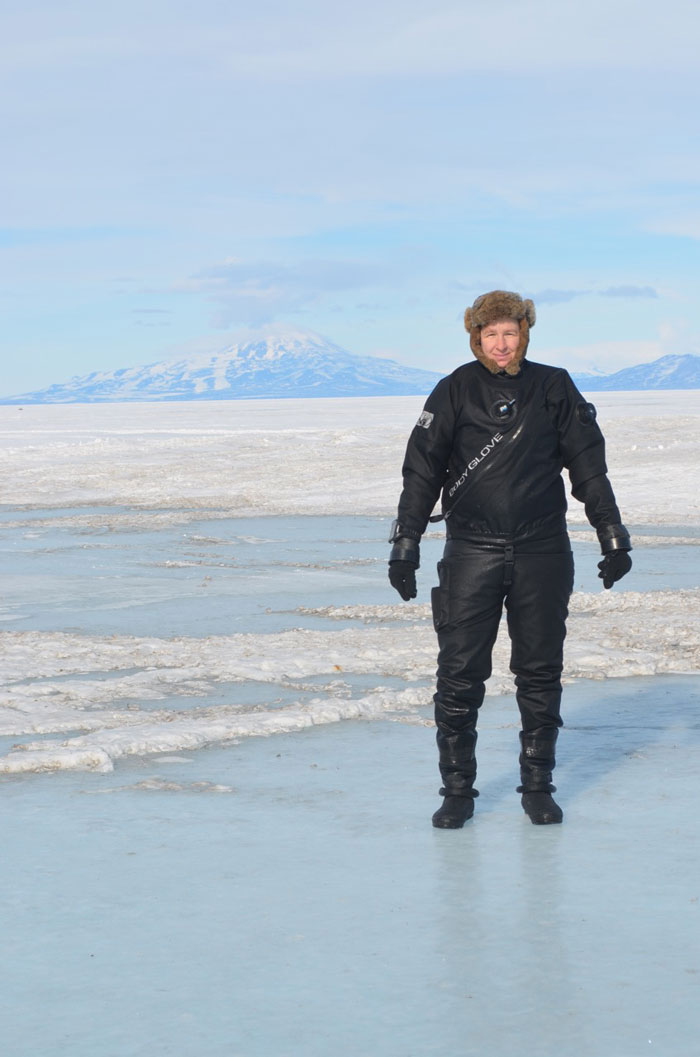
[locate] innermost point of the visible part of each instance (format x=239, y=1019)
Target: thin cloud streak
x=255, y=293
x=556, y=297
x=629, y=291
x=385, y=38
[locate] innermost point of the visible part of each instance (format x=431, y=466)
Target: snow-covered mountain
x=302, y=364
x=289, y=364
x=668, y=372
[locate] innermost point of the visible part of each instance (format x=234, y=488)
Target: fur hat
x=494, y=308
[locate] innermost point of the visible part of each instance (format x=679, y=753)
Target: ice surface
x=289, y=896
x=333, y=456
x=218, y=767
x=132, y=576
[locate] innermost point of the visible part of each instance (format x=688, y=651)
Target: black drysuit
x=495, y=447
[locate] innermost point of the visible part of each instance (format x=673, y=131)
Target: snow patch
x=310, y=457
x=103, y=680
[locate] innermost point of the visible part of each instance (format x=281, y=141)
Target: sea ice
x=288, y=895
x=211, y=577
x=332, y=456
x=166, y=592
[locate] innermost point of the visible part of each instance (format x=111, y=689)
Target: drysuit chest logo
x=473, y=463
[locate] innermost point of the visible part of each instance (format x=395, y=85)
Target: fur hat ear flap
x=474, y=332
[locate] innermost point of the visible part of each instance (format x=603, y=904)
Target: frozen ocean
x=218, y=763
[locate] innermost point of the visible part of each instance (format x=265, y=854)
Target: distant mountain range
x=669, y=372
x=291, y=364
x=302, y=364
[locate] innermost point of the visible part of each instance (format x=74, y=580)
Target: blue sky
x=177, y=173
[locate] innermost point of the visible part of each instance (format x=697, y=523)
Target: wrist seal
x=614, y=538
x=405, y=550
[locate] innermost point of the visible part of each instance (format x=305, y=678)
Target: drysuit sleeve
x=426, y=460
x=598, y=498
x=581, y=443
x=582, y=447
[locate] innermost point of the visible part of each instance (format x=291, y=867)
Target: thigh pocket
x=439, y=598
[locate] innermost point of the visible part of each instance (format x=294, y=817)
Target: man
x=494, y=437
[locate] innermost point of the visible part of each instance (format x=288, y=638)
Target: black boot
x=537, y=761
x=455, y=810
x=456, y=740
x=541, y=808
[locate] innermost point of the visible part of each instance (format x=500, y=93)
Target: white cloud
x=556, y=297
x=258, y=292
x=629, y=290
x=509, y=36
x=687, y=225
x=384, y=37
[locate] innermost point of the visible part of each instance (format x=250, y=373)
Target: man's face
x=500, y=341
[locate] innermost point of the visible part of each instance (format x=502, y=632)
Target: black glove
x=402, y=576
x=404, y=559
x=613, y=567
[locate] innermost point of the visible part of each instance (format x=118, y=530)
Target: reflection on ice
x=249, y=575
x=257, y=574
x=289, y=896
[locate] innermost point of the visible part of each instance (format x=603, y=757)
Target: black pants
x=534, y=581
